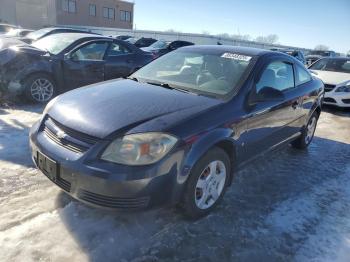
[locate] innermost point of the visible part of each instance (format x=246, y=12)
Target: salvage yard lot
x=289, y=205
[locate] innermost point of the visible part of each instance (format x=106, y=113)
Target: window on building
x=92, y=10
x=69, y=6
x=109, y=13
x=125, y=16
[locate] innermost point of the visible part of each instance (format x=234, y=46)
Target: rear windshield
x=335, y=65
x=197, y=71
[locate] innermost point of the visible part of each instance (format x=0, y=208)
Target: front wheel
x=207, y=183
x=40, y=88
x=307, y=134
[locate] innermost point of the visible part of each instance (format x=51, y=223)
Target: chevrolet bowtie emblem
x=60, y=134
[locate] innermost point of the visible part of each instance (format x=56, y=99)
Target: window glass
x=278, y=75
x=94, y=51
x=56, y=43
x=105, y=12
x=117, y=49
x=341, y=65
x=72, y=6
x=93, y=10
x=122, y=15
x=128, y=16
x=65, y=5
x=111, y=13
x=303, y=75
x=199, y=72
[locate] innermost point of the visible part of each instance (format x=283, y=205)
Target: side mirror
x=269, y=94
x=171, y=47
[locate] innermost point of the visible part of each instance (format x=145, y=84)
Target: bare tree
x=238, y=36
x=321, y=48
x=269, y=39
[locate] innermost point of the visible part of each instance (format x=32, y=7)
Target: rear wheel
x=40, y=88
x=207, y=183
x=307, y=134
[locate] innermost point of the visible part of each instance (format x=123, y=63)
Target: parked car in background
x=313, y=56
x=162, y=47
x=141, y=42
x=295, y=53
x=123, y=37
x=5, y=28
x=335, y=73
x=60, y=62
x=18, y=33
x=178, y=129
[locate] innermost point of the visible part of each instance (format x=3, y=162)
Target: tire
x=307, y=133
x=40, y=88
x=199, y=197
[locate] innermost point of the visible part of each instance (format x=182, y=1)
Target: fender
x=198, y=149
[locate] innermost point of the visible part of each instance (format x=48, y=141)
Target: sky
x=302, y=23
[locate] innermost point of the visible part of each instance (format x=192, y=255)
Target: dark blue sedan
x=178, y=129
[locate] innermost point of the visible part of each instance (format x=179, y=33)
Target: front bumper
x=340, y=99
x=102, y=184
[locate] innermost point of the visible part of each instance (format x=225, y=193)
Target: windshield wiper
x=132, y=78
x=166, y=85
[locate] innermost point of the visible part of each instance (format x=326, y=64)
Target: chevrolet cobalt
x=176, y=130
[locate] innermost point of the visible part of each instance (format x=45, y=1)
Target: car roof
x=82, y=35
x=230, y=49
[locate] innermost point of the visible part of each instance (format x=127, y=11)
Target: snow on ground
x=288, y=206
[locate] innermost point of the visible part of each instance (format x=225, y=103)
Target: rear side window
x=302, y=76
x=118, y=49
x=278, y=75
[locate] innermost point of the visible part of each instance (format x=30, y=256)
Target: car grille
x=68, y=138
x=328, y=88
x=329, y=100
x=62, y=183
x=346, y=101
x=113, y=202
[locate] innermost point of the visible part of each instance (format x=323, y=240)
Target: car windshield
x=196, y=71
x=56, y=43
x=335, y=65
x=160, y=44
x=39, y=33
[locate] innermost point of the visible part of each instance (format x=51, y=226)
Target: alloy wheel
x=310, y=129
x=42, y=90
x=210, y=184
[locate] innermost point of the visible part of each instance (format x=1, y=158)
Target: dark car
x=123, y=37
x=61, y=62
x=313, y=56
x=162, y=47
x=178, y=129
x=141, y=42
x=295, y=53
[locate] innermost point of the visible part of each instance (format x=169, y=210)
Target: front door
x=120, y=61
x=271, y=122
x=85, y=65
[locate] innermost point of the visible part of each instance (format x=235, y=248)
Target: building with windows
x=39, y=13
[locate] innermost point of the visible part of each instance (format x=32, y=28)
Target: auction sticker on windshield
x=237, y=57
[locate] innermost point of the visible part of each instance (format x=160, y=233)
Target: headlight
x=345, y=89
x=139, y=149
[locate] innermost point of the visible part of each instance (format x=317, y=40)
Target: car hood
x=331, y=78
x=6, y=42
x=10, y=53
x=117, y=106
